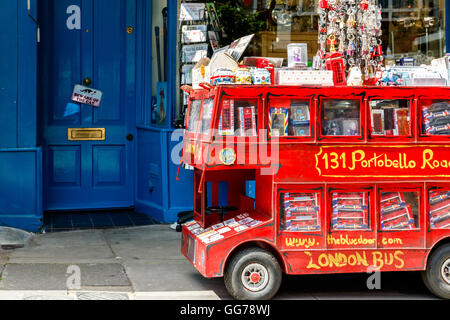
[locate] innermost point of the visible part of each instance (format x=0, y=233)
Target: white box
x=303, y=77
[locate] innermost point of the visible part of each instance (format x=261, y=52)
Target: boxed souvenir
x=300, y=131
x=246, y=120
x=402, y=123
x=350, y=211
x=243, y=76
x=261, y=76
x=436, y=118
x=295, y=77
x=226, y=125
x=300, y=114
x=222, y=76
x=297, y=55
x=440, y=209
x=396, y=214
x=301, y=212
x=377, y=122
x=350, y=127
x=278, y=122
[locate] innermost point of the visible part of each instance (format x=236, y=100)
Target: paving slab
x=148, y=234
x=55, y=276
x=160, y=276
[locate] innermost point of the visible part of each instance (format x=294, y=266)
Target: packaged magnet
x=278, y=122
x=247, y=121
x=226, y=125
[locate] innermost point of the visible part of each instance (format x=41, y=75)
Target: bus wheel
x=437, y=275
x=253, y=274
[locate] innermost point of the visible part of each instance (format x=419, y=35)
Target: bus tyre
x=253, y=274
x=437, y=275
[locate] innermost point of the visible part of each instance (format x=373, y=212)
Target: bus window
x=300, y=212
x=436, y=118
x=390, y=117
x=194, y=116
x=208, y=106
x=238, y=118
x=341, y=118
x=350, y=211
x=439, y=209
x=399, y=211
x=289, y=118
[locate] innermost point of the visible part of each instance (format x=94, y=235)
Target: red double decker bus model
x=318, y=180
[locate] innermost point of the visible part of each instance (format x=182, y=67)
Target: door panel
x=88, y=174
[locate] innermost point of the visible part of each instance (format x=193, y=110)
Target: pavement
x=131, y=263
x=145, y=263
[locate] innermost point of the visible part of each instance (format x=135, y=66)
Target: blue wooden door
x=88, y=39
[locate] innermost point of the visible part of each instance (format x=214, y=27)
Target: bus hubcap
x=445, y=272
x=255, y=277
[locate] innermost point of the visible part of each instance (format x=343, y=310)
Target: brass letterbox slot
x=87, y=134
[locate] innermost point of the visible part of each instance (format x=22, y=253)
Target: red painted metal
x=375, y=165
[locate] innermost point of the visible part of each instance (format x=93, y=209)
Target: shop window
x=208, y=107
x=436, y=118
x=439, y=209
x=300, y=212
x=194, y=116
x=399, y=211
x=341, y=118
x=390, y=117
x=289, y=118
x=238, y=118
x=350, y=211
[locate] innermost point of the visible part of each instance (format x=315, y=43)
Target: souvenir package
x=350, y=211
x=396, y=214
x=440, y=209
x=301, y=212
x=299, y=120
x=297, y=55
x=243, y=76
x=303, y=77
x=402, y=123
x=226, y=125
x=436, y=119
x=390, y=118
x=261, y=76
x=278, y=122
x=221, y=230
x=222, y=76
x=247, y=121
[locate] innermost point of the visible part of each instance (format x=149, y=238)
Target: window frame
x=421, y=136
x=312, y=138
x=341, y=139
x=236, y=94
x=392, y=139
x=414, y=238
